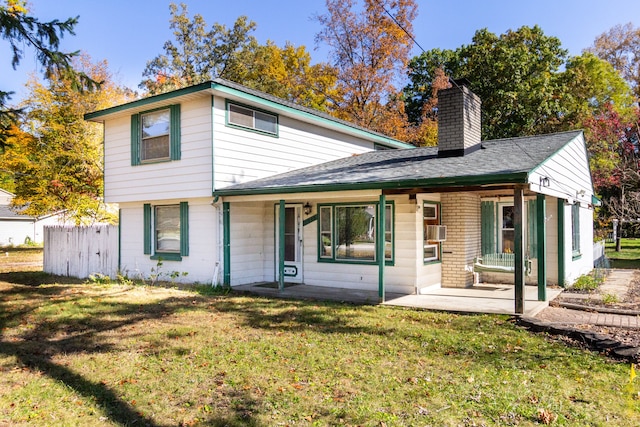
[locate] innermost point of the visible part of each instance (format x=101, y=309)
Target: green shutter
x=175, y=132
x=147, y=228
x=184, y=228
x=532, y=229
x=135, y=139
x=488, y=227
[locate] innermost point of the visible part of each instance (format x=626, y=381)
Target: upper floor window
x=252, y=119
x=155, y=135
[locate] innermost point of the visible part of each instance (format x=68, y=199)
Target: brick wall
x=461, y=215
x=459, y=123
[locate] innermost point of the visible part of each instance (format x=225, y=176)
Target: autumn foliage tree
x=620, y=46
x=55, y=156
x=370, y=47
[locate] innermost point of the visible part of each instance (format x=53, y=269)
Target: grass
x=629, y=255
x=108, y=354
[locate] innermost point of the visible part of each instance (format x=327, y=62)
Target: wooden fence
x=81, y=251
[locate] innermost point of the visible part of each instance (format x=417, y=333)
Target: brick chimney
x=458, y=121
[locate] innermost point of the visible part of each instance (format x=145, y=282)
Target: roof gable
x=498, y=161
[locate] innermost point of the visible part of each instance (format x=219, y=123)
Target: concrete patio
x=485, y=298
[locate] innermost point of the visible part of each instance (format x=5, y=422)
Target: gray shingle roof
x=7, y=213
x=502, y=160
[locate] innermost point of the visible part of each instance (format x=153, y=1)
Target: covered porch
x=485, y=298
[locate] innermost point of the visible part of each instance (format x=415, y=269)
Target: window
x=347, y=233
x=252, y=119
x=507, y=230
x=166, y=233
x=575, y=229
x=155, y=135
x=430, y=216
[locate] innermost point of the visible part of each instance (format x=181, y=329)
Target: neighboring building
x=18, y=229
x=233, y=185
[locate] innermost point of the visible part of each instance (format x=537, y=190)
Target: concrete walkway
x=495, y=299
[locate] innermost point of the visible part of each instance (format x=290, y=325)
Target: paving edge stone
x=598, y=342
x=593, y=309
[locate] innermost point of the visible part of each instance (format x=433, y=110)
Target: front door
x=292, y=243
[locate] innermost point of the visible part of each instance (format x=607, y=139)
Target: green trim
x=532, y=228
x=175, y=131
x=309, y=220
x=576, y=256
x=226, y=242
x=561, y=261
x=565, y=145
x=381, y=240
x=148, y=101
x=166, y=256
x=541, y=207
x=213, y=147
x=488, y=221
x=119, y=240
x=146, y=214
x=513, y=178
x=247, y=128
x=333, y=259
x=135, y=138
x=184, y=229
x=269, y=104
x=281, y=228
x=518, y=243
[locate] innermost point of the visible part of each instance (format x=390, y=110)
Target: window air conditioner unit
x=436, y=233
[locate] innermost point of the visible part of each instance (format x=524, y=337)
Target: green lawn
x=89, y=354
x=629, y=255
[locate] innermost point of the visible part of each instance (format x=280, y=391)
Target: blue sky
x=128, y=33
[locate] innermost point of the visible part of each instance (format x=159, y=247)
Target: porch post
x=518, y=209
x=542, y=247
x=381, y=243
x=561, y=242
x=226, y=244
x=281, y=224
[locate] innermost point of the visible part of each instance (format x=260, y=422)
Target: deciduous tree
x=370, y=46
x=620, y=46
x=55, y=155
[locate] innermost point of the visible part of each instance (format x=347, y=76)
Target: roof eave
x=433, y=183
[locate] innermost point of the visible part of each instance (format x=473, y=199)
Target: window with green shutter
x=166, y=231
x=488, y=227
x=155, y=135
x=575, y=230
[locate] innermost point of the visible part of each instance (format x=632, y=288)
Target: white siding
x=186, y=178
x=253, y=248
x=203, y=242
x=14, y=232
x=568, y=172
x=243, y=155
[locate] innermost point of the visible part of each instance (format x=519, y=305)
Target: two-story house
x=236, y=186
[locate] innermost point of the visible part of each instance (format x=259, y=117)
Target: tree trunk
x=619, y=236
